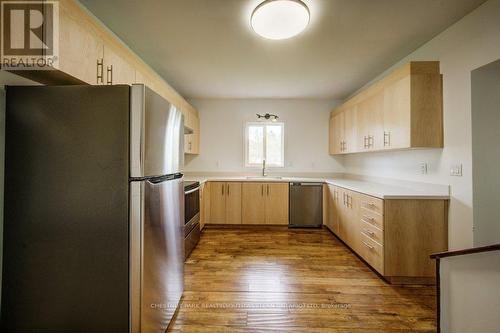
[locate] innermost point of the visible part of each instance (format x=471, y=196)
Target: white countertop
x=378, y=190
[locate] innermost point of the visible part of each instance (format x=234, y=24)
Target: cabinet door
x=195, y=149
x=276, y=203
x=333, y=209
x=117, y=70
x=350, y=130
x=348, y=219
x=336, y=133
x=253, y=203
x=79, y=47
x=188, y=143
x=370, y=133
x=397, y=114
x=218, y=203
x=233, y=203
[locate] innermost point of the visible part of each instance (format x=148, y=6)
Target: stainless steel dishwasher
x=306, y=205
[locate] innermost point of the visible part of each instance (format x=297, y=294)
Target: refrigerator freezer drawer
x=157, y=253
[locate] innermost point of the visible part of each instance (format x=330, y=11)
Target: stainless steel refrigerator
x=94, y=210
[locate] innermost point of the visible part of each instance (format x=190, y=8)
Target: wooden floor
x=281, y=280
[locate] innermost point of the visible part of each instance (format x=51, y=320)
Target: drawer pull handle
x=369, y=233
x=369, y=220
x=368, y=245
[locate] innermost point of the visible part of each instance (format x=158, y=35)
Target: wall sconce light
x=268, y=116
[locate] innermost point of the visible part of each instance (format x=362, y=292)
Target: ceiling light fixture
x=280, y=19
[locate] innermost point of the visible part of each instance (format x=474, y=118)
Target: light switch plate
x=456, y=170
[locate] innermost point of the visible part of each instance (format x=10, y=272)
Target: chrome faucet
x=264, y=168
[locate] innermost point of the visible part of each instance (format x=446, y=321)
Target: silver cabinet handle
x=368, y=245
x=369, y=232
x=369, y=220
x=109, y=75
x=268, y=190
x=227, y=189
x=100, y=71
x=222, y=189
x=262, y=190
x=387, y=139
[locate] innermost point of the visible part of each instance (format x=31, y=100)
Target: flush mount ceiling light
x=280, y=19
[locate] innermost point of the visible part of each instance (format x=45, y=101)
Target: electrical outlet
x=217, y=164
x=424, y=168
x=456, y=170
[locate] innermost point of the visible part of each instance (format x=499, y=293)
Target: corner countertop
x=374, y=189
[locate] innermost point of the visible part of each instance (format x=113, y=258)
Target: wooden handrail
x=439, y=255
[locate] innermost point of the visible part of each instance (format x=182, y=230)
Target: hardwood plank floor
x=280, y=280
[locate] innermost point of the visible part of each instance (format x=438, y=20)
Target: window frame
x=264, y=125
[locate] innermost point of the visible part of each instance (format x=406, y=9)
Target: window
x=264, y=141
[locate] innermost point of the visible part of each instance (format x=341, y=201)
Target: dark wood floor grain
x=279, y=280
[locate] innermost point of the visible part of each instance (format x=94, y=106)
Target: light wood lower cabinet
x=204, y=204
x=276, y=203
x=395, y=237
x=254, y=203
x=225, y=203
x=265, y=203
x=331, y=213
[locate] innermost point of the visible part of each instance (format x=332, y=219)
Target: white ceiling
x=206, y=48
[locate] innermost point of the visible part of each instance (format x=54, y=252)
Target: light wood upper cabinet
x=276, y=203
x=350, y=118
x=397, y=114
x=117, y=70
x=370, y=131
x=89, y=53
x=80, y=46
x=336, y=133
x=192, y=140
x=253, y=203
x=403, y=110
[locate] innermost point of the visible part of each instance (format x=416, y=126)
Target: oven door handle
x=193, y=190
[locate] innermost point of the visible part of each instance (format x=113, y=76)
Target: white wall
x=486, y=153
x=222, y=134
x=470, y=289
x=470, y=43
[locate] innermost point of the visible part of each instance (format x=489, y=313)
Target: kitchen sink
x=264, y=177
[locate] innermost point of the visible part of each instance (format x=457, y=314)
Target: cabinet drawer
x=372, y=218
x=372, y=204
x=372, y=252
x=372, y=232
